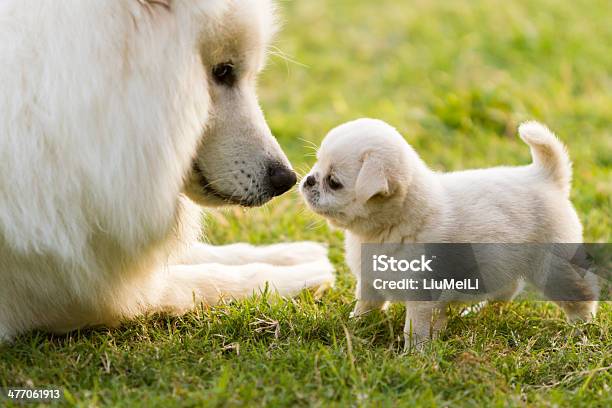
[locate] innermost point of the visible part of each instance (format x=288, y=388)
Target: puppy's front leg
x=424, y=320
x=364, y=306
x=182, y=285
x=239, y=254
x=5, y=335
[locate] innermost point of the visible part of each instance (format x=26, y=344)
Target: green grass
x=455, y=78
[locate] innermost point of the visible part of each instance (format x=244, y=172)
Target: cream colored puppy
x=370, y=182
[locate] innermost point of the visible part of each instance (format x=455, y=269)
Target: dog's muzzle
x=252, y=191
x=281, y=179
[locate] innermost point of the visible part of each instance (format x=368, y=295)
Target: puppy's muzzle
x=281, y=178
x=310, y=181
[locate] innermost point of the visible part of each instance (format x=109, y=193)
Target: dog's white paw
x=289, y=280
x=321, y=274
x=295, y=253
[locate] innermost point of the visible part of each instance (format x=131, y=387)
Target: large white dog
x=115, y=116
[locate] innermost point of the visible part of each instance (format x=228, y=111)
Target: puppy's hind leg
x=509, y=292
x=575, y=290
x=182, y=285
x=584, y=311
x=239, y=254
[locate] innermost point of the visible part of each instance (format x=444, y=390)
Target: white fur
x=105, y=106
x=389, y=195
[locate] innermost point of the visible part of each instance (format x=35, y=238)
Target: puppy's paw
x=579, y=312
x=416, y=343
x=420, y=338
x=363, y=307
x=5, y=336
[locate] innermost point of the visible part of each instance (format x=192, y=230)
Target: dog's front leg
x=239, y=254
x=181, y=287
x=424, y=320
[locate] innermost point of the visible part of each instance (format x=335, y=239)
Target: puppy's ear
x=371, y=180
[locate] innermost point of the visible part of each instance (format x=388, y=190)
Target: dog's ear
x=371, y=180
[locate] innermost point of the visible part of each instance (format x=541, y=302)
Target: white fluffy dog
x=370, y=182
x=116, y=116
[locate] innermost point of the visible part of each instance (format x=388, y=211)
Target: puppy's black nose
x=281, y=178
x=310, y=181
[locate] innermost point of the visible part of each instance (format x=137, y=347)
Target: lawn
x=456, y=78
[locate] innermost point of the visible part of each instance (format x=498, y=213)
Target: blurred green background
x=456, y=78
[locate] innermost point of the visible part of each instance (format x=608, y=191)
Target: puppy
x=371, y=183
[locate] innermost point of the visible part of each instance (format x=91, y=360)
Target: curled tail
x=549, y=153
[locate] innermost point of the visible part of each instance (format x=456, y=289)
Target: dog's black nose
x=281, y=178
x=311, y=181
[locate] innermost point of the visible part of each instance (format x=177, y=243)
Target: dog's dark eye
x=224, y=73
x=333, y=183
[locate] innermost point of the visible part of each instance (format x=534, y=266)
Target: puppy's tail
x=549, y=154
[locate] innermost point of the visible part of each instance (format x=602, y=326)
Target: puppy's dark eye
x=333, y=183
x=224, y=73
